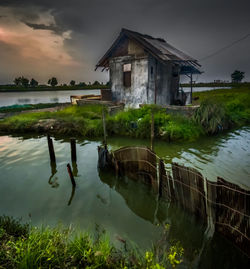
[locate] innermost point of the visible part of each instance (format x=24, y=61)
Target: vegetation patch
x=137, y=123
x=22, y=246
x=222, y=109
x=219, y=110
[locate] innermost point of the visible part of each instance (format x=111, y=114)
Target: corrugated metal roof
x=168, y=50
x=157, y=47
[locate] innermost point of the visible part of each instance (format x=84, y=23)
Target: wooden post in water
x=104, y=126
x=73, y=149
x=152, y=130
x=71, y=175
x=161, y=169
x=51, y=149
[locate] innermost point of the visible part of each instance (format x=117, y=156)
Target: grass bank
x=219, y=110
x=22, y=246
x=217, y=84
x=87, y=121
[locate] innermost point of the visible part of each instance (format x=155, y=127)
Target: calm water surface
x=34, y=191
x=22, y=98
x=203, y=89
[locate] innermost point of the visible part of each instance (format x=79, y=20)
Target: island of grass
x=219, y=110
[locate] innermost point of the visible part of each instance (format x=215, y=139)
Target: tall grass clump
x=211, y=116
x=233, y=105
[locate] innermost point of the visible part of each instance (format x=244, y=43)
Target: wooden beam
x=191, y=82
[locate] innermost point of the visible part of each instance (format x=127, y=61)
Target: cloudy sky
x=66, y=38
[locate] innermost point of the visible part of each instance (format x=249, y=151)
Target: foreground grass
x=25, y=247
x=219, y=110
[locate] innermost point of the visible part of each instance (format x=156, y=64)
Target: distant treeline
x=14, y=88
x=22, y=83
x=216, y=84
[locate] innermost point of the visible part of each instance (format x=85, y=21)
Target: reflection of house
x=146, y=70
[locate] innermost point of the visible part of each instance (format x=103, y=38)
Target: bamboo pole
x=152, y=130
x=161, y=169
x=71, y=175
x=104, y=127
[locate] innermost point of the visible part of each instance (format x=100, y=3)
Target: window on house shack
x=127, y=75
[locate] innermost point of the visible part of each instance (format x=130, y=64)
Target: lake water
x=22, y=98
x=36, y=192
x=203, y=89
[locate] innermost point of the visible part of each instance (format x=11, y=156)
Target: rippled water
x=36, y=192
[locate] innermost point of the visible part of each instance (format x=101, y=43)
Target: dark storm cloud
x=197, y=27
x=51, y=27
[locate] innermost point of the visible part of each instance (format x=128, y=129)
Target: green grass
x=219, y=110
x=137, y=123
x=18, y=108
x=223, y=108
x=22, y=246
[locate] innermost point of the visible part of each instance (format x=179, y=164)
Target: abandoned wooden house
x=146, y=70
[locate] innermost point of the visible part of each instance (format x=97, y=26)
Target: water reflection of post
x=73, y=183
x=52, y=162
x=72, y=195
x=73, y=156
x=53, y=172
